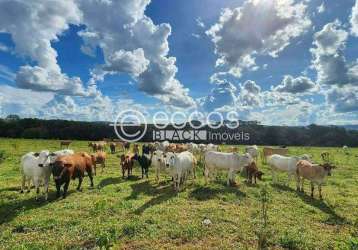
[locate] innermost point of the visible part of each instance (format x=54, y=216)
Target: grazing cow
x=35, y=168
x=65, y=143
x=268, y=151
x=253, y=151
x=316, y=174
x=325, y=156
x=112, y=147
x=225, y=161
x=70, y=167
x=99, y=158
x=144, y=161
x=180, y=166
x=284, y=164
x=252, y=172
x=127, y=163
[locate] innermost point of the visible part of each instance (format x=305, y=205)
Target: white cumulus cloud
x=256, y=28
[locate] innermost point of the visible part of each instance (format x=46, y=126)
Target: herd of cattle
x=178, y=161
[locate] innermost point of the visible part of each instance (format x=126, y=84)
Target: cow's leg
x=147, y=172
x=320, y=190
x=80, y=179
x=124, y=171
x=229, y=177
x=46, y=188
x=23, y=183
x=157, y=172
x=142, y=172
x=90, y=177
x=95, y=169
x=65, y=188
x=29, y=185
x=37, y=187
x=312, y=189
x=298, y=179
x=58, y=189
x=206, y=174
x=289, y=177
x=302, y=185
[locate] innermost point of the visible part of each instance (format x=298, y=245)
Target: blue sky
x=277, y=61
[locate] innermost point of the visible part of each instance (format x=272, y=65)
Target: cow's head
x=328, y=168
x=43, y=158
x=59, y=170
x=259, y=175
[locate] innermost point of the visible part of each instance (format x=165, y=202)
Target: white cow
x=231, y=162
x=212, y=147
x=162, y=146
x=180, y=166
x=193, y=148
x=53, y=156
x=35, y=168
x=279, y=163
x=253, y=151
x=158, y=163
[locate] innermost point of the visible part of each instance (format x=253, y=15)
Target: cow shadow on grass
x=116, y=180
x=203, y=193
x=11, y=209
x=322, y=205
x=159, y=194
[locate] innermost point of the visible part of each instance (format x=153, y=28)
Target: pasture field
x=141, y=214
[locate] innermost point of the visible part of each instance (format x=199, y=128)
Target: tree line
x=312, y=135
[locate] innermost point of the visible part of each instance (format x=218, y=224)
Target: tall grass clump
x=263, y=233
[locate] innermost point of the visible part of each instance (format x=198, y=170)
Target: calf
x=127, y=163
x=252, y=172
x=144, y=161
x=70, y=167
x=99, y=158
x=225, y=161
x=316, y=174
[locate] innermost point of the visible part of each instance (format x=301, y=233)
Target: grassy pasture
x=141, y=214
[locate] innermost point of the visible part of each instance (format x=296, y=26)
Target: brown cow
x=65, y=143
x=314, y=173
x=127, y=163
x=99, y=158
x=252, y=172
x=112, y=146
x=70, y=167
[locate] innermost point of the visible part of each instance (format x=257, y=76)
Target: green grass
x=141, y=214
